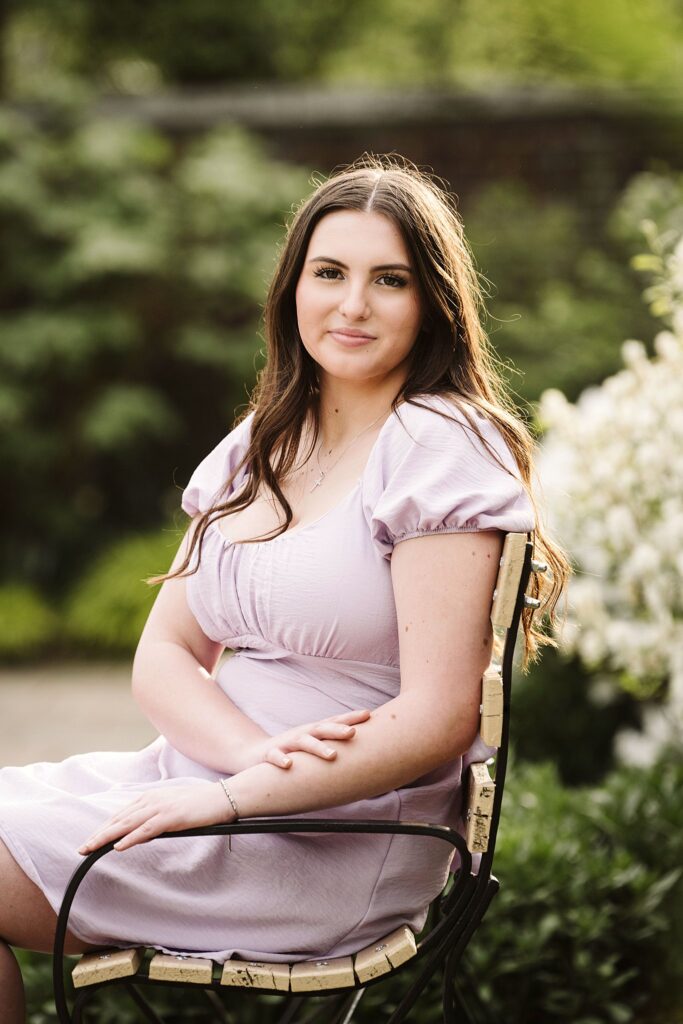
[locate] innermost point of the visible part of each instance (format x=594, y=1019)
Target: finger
x=351, y=717
x=125, y=814
x=312, y=745
x=278, y=757
x=147, y=830
x=332, y=731
x=114, y=830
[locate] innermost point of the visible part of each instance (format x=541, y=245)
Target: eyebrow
x=380, y=266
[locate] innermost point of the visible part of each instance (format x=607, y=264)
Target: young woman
x=344, y=542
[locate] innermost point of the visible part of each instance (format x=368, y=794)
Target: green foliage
x=29, y=625
x=563, y=297
x=133, y=46
x=561, y=713
x=108, y=607
x=129, y=270
x=586, y=928
x=651, y=208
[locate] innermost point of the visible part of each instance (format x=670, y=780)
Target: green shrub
x=562, y=713
x=29, y=625
x=131, y=308
x=108, y=607
x=585, y=928
x=563, y=296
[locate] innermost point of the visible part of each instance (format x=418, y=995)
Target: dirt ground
x=48, y=713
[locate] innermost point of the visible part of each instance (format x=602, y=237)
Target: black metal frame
x=454, y=917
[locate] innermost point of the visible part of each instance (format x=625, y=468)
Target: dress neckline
x=314, y=522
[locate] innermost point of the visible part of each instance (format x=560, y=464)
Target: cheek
x=309, y=301
x=406, y=315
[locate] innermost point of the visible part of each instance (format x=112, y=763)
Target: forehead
x=362, y=236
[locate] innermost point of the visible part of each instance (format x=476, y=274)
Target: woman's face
x=357, y=300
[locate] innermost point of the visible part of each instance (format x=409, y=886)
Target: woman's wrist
x=231, y=799
x=248, y=754
x=231, y=810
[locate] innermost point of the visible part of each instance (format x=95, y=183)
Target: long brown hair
x=452, y=355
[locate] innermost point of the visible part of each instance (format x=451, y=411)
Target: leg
x=26, y=920
x=13, y=1008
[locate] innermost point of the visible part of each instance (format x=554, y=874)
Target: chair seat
x=371, y=962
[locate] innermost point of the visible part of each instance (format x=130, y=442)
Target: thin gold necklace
x=323, y=473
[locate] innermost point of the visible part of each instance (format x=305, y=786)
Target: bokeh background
x=150, y=156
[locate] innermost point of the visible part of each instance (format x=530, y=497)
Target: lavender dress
x=312, y=619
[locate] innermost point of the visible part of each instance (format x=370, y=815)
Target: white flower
x=611, y=470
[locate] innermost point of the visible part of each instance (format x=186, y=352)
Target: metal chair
x=453, y=916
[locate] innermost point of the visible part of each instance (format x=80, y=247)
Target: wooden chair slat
x=507, y=584
x=105, y=966
x=480, y=796
x=310, y=975
x=189, y=969
x=491, y=728
x=390, y=952
x=256, y=974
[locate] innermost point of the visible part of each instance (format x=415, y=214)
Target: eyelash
x=400, y=281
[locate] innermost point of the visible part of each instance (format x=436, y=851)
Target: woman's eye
x=391, y=279
x=326, y=270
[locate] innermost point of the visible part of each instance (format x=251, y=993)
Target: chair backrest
x=484, y=791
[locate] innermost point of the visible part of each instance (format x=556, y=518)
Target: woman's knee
x=26, y=918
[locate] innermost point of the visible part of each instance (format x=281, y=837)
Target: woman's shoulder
x=438, y=468
x=216, y=468
x=442, y=424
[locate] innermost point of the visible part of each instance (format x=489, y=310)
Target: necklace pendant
x=317, y=483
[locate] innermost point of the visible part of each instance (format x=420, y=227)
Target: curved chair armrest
x=253, y=826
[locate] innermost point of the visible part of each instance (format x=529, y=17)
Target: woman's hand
x=310, y=737
x=167, y=809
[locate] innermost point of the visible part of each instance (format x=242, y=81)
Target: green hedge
x=29, y=625
x=131, y=303
x=586, y=928
x=107, y=609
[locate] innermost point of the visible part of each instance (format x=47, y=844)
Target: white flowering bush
x=611, y=471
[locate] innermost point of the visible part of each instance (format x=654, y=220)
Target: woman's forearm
x=183, y=702
x=402, y=741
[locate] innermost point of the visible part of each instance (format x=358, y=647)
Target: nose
x=354, y=302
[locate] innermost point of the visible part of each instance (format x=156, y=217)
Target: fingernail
x=328, y=751
x=286, y=761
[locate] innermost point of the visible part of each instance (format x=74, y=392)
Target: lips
x=351, y=338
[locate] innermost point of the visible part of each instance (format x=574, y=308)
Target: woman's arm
x=173, y=685
x=443, y=587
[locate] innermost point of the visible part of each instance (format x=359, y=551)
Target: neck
x=345, y=408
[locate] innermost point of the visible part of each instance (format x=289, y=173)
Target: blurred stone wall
x=559, y=141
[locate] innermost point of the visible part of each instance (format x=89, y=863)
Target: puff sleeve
x=434, y=475
x=213, y=471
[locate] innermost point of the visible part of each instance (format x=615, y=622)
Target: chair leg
x=334, y=1009
x=455, y=1005
x=457, y=1008
x=349, y=1006
x=142, y=1004
x=213, y=999
x=291, y=1008
x=79, y=1005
